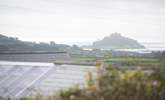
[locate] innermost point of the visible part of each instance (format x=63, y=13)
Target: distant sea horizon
x=154, y=45
x=149, y=47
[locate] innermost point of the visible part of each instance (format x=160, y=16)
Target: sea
x=149, y=47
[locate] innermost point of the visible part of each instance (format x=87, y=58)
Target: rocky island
x=117, y=41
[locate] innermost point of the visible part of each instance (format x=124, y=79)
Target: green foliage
x=71, y=91
x=113, y=84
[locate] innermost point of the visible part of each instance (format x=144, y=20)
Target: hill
x=16, y=45
x=117, y=41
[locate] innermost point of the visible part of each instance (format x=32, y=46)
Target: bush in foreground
x=114, y=84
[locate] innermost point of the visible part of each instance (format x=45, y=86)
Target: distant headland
x=116, y=41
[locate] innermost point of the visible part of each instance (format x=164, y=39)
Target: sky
x=82, y=21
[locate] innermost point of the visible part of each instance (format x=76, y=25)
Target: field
x=124, y=61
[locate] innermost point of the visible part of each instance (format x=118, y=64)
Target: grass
x=132, y=61
x=123, y=61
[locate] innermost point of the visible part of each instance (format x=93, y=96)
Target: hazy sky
x=74, y=21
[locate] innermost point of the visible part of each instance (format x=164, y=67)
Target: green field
x=124, y=61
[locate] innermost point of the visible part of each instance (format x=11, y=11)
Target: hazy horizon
x=150, y=45
x=82, y=21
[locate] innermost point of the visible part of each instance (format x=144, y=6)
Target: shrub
x=115, y=84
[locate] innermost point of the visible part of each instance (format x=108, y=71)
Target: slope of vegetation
x=11, y=44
